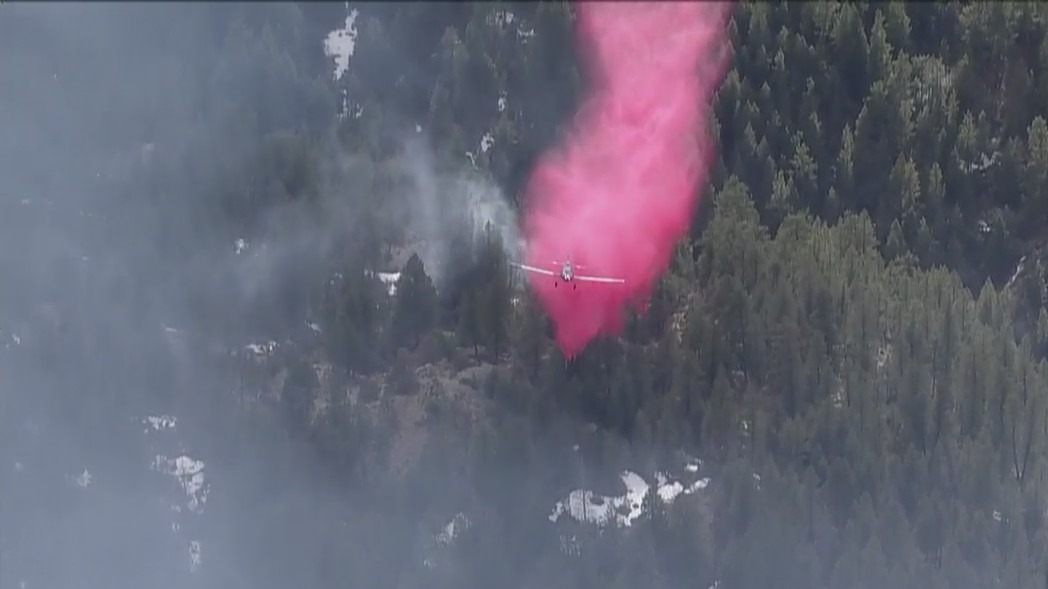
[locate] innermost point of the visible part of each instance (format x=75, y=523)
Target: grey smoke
x=443, y=202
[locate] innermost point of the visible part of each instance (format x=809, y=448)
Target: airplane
x=567, y=274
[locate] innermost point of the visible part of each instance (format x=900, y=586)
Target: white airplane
x=567, y=274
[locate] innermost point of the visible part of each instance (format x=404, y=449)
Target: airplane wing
x=534, y=269
x=600, y=279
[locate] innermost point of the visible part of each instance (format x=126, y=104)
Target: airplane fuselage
x=566, y=272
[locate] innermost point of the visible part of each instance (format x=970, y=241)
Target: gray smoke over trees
x=257, y=328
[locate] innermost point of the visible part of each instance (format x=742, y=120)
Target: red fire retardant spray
x=621, y=191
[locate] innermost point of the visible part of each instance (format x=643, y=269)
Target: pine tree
x=415, y=308
x=494, y=296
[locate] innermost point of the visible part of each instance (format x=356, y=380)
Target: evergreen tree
x=416, y=303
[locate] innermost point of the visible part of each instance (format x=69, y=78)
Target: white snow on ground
x=1018, y=270
x=262, y=350
x=390, y=279
x=586, y=506
x=444, y=538
x=14, y=339
x=505, y=19
x=668, y=491
x=194, y=555
x=83, y=479
x=501, y=18
x=456, y=526
x=341, y=43
x=160, y=423
x=190, y=475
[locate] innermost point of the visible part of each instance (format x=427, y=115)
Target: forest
x=852, y=340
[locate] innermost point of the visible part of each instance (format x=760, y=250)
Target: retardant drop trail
x=620, y=193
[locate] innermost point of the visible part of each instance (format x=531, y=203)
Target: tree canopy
x=853, y=339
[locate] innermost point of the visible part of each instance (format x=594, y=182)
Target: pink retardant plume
x=622, y=191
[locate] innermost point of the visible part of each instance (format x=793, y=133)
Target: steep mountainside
x=257, y=328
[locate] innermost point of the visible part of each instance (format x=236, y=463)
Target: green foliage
x=415, y=309
x=493, y=299
x=879, y=71
x=837, y=341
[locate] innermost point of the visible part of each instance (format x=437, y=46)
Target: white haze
x=438, y=207
x=131, y=317
x=124, y=304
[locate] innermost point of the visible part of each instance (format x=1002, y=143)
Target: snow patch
x=586, y=506
x=1018, y=270
x=456, y=526
x=668, y=491
x=195, y=557
x=262, y=350
x=190, y=475
x=525, y=35
x=83, y=480
x=504, y=19
x=501, y=18
x=389, y=279
x=160, y=423
x=984, y=162
x=341, y=43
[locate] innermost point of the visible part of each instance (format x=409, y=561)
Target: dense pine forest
x=199, y=219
